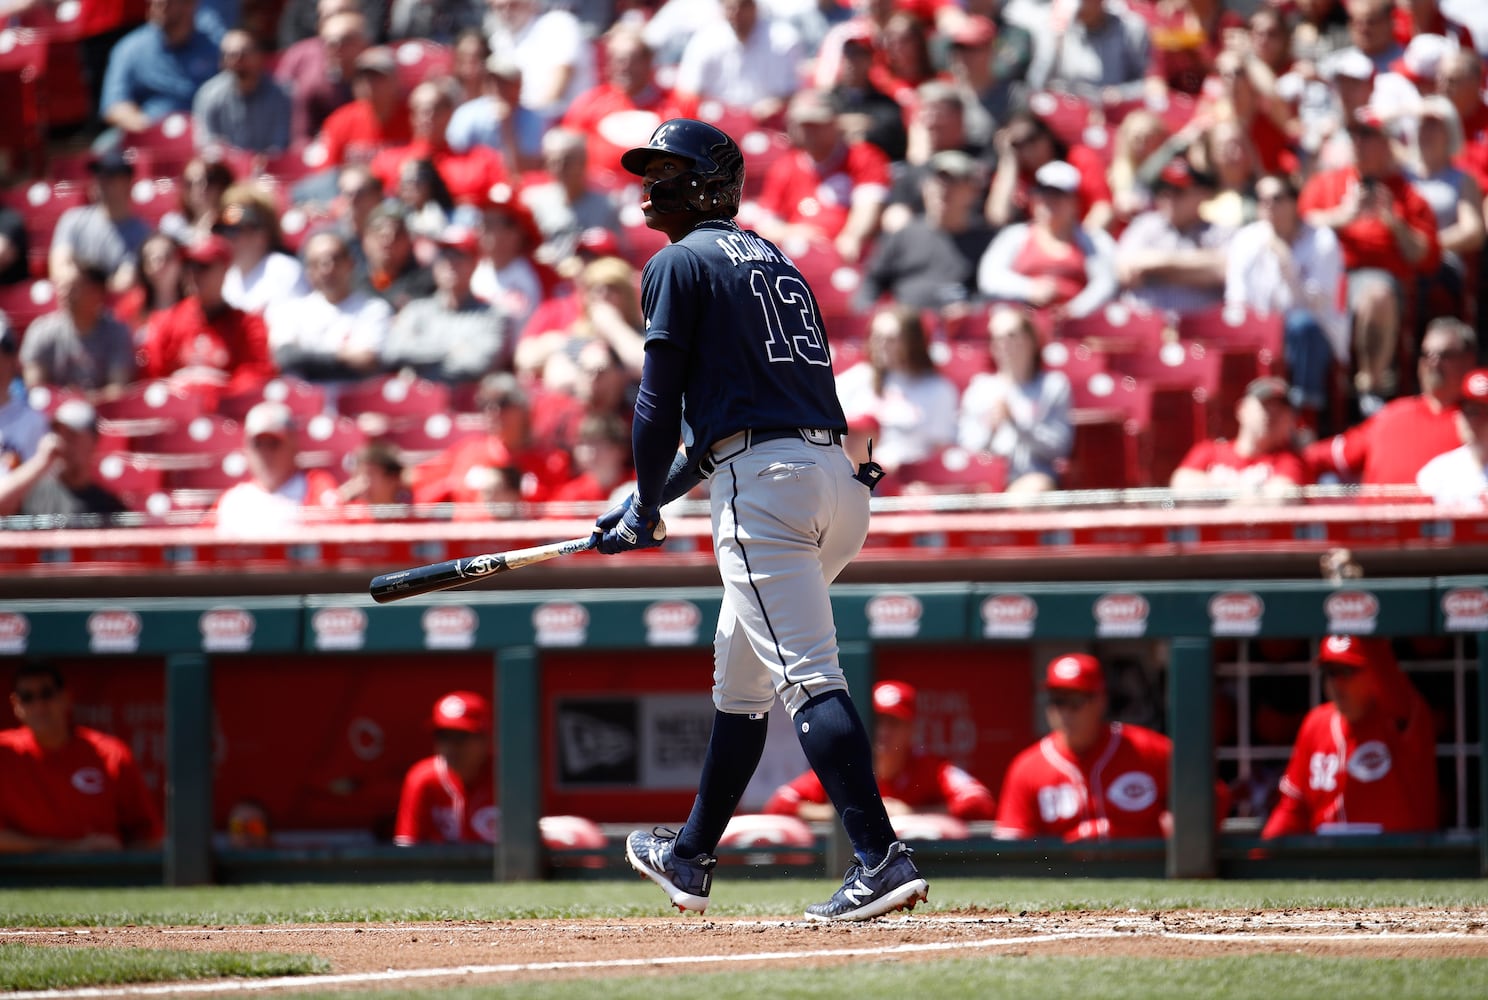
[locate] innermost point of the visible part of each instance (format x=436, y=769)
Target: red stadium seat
x=961, y=362
x=1116, y=327
x=141, y=488
x=23, y=118
x=153, y=197
x=146, y=408
x=165, y=146
x=395, y=398
x=304, y=399
x=199, y=488
x=954, y=470
x=200, y=441
x=42, y=205
x=1066, y=115
x=419, y=442
x=1129, y=402
x=60, y=27
x=833, y=281
x=24, y=302
x=1185, y=383
x=420, y=59
x=328, y=443
x=1077, y=361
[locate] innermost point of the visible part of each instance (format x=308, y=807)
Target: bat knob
x=659, y=533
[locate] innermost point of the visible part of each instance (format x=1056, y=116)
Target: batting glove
x=639, y=528
x=614, y=515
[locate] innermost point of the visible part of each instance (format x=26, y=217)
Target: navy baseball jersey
x=756, y=347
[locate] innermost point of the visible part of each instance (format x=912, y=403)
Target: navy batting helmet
x=716, y=180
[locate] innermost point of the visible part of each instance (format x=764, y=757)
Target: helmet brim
x=637, y=160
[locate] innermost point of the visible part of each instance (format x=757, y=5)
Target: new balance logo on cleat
x=685, y=881
x=866, y=893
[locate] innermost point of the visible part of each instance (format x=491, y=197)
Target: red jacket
x=437, y=808
x=927, y=782
x=223, y=354
x=1367, y=242
x=90, y=786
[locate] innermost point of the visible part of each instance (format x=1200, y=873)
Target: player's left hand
x=639, y=528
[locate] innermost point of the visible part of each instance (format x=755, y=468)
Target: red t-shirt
x=799, y=190
x=1226, y=467
x=927, y=782
x=436, y=807
x=90, y=786
x=1367, y=241
x=456, y=476
x=225, y=353
x=1375, y=774
x=469, y=175
x=1391, y=446
x=354, y=134
x=614, y=121
x=1474, y=155
x=1066, y=266
x=1405, y=28
x=1119, y=789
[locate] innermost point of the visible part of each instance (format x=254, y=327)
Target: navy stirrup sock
x=838, y=750
x=734, y=750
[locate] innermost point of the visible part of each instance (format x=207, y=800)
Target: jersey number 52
x=791, y=320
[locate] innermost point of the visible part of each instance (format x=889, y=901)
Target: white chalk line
x=396, y=975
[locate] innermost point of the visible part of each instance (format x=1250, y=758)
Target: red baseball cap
x=1355, y=651
x=894, y=698
x=212, y=249
x=462, y=711
x=1075, y=672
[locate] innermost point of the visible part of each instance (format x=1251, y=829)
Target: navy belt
x=729, y=448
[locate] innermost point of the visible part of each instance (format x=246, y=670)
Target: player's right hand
x=639, y=528
x=615, y=514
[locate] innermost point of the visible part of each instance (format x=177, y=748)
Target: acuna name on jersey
x=743, y=247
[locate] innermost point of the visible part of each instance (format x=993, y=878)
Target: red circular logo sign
x=1465, y=602
x=894, y=609
x=560, y=617
x=226, y=623
x=113, y=624
x=339, y=621
x=456, y=619
x=672, y=616
x=1116, y=608
x=1351, y=605
x=1009, y=609
x=1236, y=606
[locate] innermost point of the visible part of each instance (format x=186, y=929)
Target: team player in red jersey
x=1364, y=761
x=1089, y=779
x=908, y=780
x=450, y=797
x=65, y=787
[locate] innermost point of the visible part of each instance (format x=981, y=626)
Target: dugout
x=314, y=706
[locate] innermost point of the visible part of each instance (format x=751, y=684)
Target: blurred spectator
x=1459, y=79
x=896, y=394
x=358, y=193
x=1021, y=410
x=748, y=61
x=1269, y=42
x=602, y=387
x=1365, y=760
x=261, y=273
x=317, y=71
x=1281, y=265
x=1458, y=478
x=277, y=495
x=60, y=481
x=106, y=233
x=1388, y=236
x=200, y=188
x=910, y=780
x=21, y=428
x=470, y=51
x=1392, y=446
x=1372, y=30
x=1025, y=144
x=451, y=336
x=609, y=310
x=1456, y=202
x=506, y=276
x=427, y=203
x=1325, y=130
x=1321, y=29
x=65, y=787
x=495, y=118
x=242, y=106
x=601, y=462
x=931, y=260
x=625, y=109
x=202, y=344
x=1051, y=262
x=375, y=117
x=1138, y=137
x=1170, y=258
x=79, y=345
x=904, y=62
x=15, y=247
x=445, y=22
x=160, y=287
x=938, y=123
x=376, y=489
x=566, y=206
x=481, y=471
x=990, y=61
x=826, y=187
x=334, y=331
x=1100, y=53
x=156, y=69
x=1229, y=156
x=1187, y=36
x=1261, y=462
x=1090, y=778
x=866, y=112
x=301, y=19
x=450, y=797
x=550, y=47
x=393, y=273
x=1425, y=17
x=468, y=175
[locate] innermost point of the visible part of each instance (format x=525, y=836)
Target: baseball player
x=1090, y=778
x=908, y=780
x=450, y=797
x=737, y=368
x=1365, y=760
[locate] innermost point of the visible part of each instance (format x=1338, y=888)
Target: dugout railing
x=519, y=634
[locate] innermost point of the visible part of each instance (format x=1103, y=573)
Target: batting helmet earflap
x=716, y=180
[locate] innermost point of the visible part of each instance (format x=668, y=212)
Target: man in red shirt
x=1424, y=17
x=450, y=797
x=1365, y=760
x=377, y=117
x=909, y=781
x=202, y=344
x=624, y=110
x=469, y=176
x=1261, y=461
x=65, y=787
x=1459, y=78
x=1390, y=447
x=1089, y=779
x=828, y=187
x=1388, y=236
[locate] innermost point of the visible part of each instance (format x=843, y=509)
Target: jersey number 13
x=791, y=320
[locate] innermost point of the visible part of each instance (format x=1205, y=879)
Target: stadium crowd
x=1057, y=244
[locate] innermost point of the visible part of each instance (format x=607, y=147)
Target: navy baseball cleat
x=654, y=856
x=866, y=893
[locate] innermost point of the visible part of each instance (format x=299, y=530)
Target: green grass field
x=1263, y=977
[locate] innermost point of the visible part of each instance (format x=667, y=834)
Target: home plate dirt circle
x=437, y=954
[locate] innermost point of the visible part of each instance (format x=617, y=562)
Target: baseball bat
x=458, y=572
